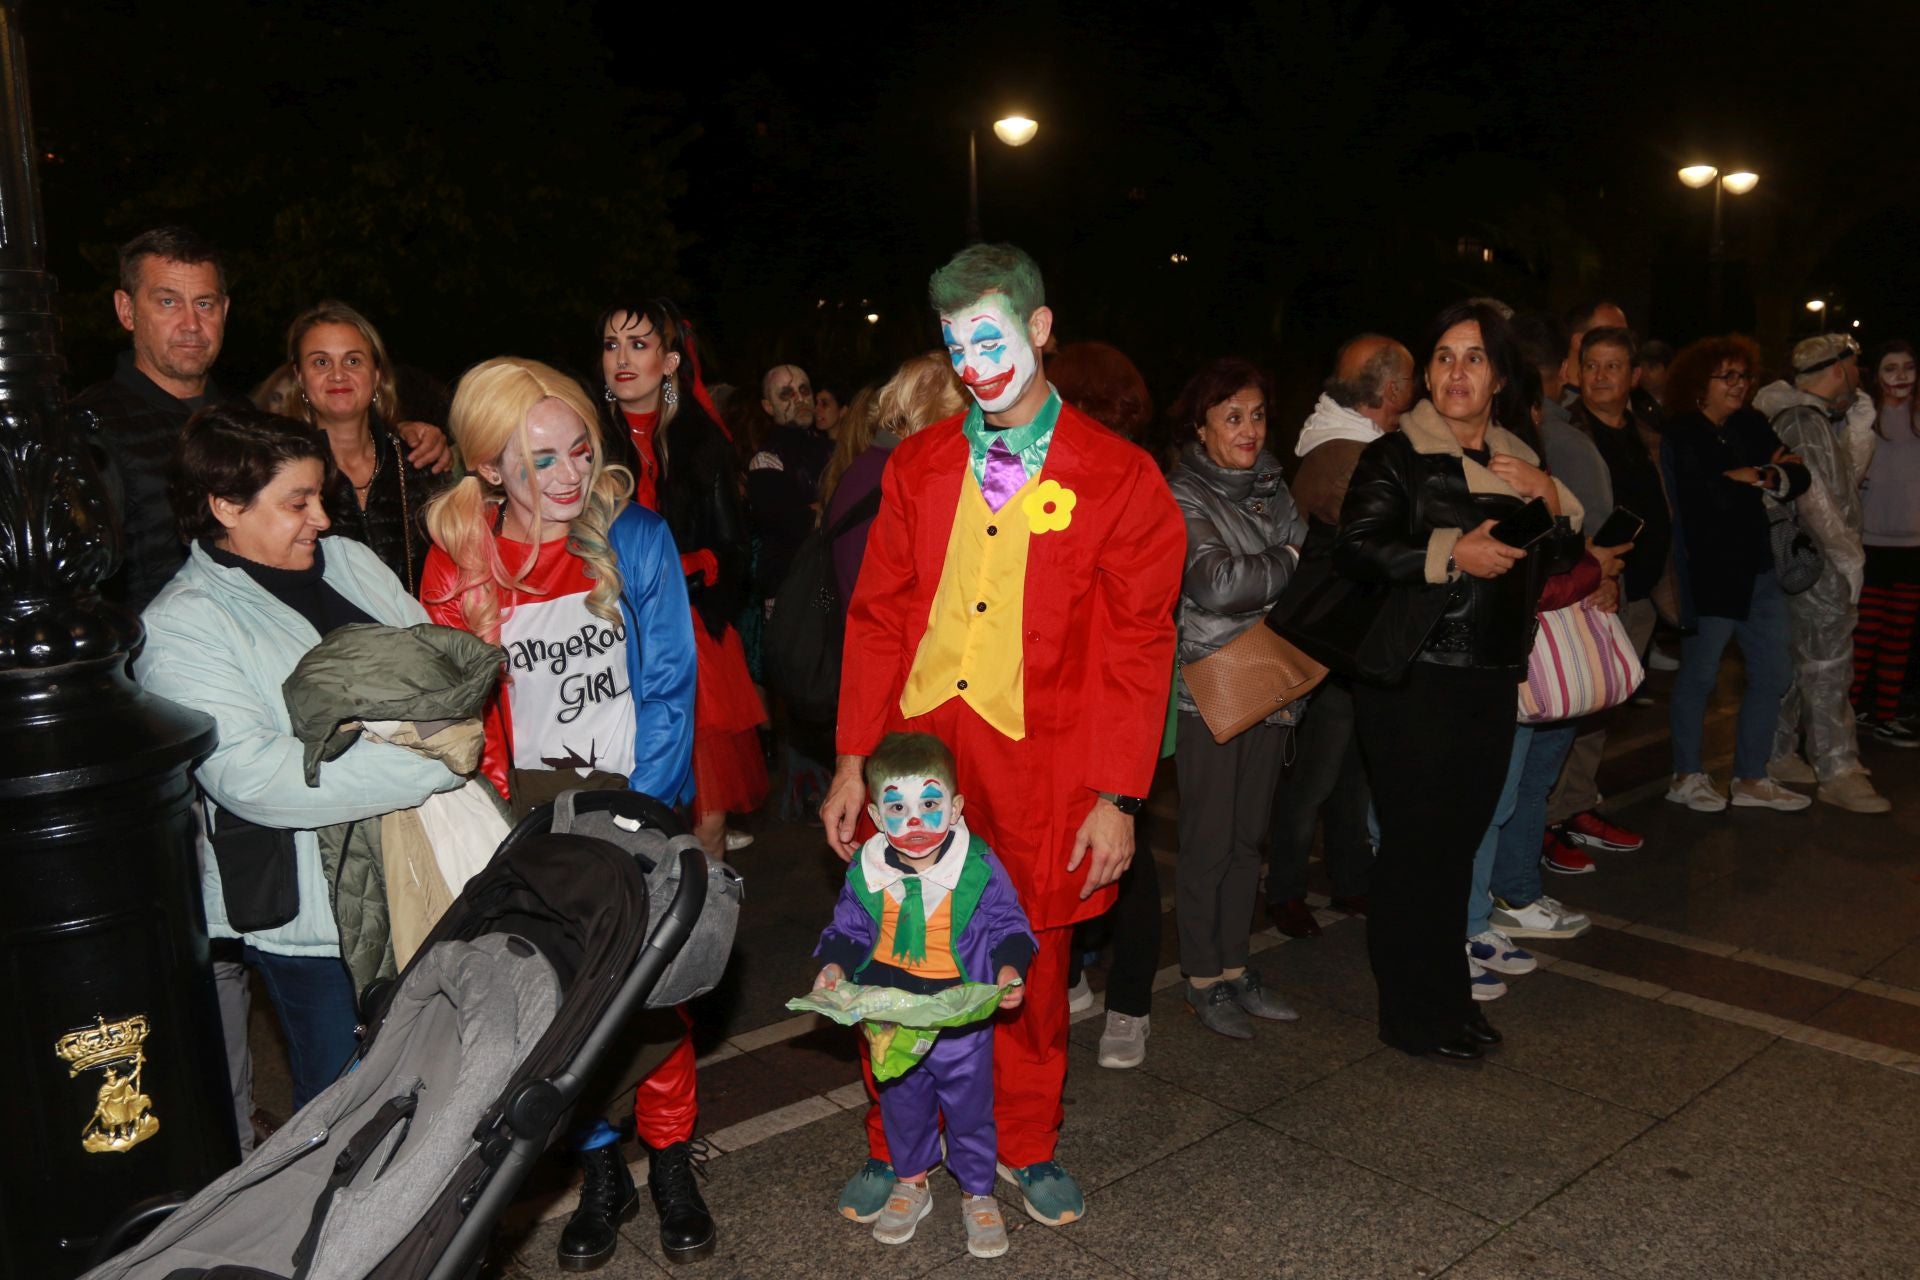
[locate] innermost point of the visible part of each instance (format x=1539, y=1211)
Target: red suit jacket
x=1098, y=652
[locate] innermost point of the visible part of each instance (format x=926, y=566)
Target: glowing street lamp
x=1816, y=305
x=1738, y=183
x=1015, y=131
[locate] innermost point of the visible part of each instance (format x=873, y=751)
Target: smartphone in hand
x=1618, y=529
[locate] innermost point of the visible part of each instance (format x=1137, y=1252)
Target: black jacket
x=137, y=425
x=394, y=521
x=1409, y=501
x=1723, y=524
x=699, y=496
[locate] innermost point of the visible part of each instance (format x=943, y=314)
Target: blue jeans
x=1516, y=859
x=1480, y=892
x=1763, y=643
x=314, y=998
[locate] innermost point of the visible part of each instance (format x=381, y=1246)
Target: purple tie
x=1005, y=475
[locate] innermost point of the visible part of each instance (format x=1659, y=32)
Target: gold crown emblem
x=102, y=1043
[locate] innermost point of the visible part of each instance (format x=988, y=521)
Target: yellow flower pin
x=1049, y=507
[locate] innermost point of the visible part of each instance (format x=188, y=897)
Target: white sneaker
x=1124, y=1043
x=1544, y=917
x=1697, y=792
x=1495, y=950
x=986, y=1228
x=1485, y=985
x=1659, y=659
x=1765, y=793
x=1853, y=792
x=1791, y=769
x=738, y=840
x=906, y=1205
x=1079, y=996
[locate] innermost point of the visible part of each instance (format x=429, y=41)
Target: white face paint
x=1896, y=376
x=787, y=396
x=990, y=351
x=915, y=813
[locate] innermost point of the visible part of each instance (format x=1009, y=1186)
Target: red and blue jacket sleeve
x=660, y=655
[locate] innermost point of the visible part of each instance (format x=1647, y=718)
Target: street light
x=1738, y=183
x=1015, y=131
x=1816, y=305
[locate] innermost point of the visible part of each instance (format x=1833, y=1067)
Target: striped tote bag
x=1581, y=662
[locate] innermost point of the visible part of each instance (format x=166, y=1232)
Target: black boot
x=607, y=1199
x=686, y=1228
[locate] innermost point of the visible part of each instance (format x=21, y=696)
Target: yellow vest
x=974, y=644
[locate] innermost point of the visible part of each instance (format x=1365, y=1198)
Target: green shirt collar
x=980, y=437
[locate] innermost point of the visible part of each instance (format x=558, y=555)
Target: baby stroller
x=474, y=1059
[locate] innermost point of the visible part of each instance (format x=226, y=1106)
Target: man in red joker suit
x=1016, y=600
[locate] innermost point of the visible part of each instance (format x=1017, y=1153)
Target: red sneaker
x=1559, y=854
x=1595, y=832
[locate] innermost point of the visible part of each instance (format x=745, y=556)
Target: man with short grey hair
x=1823, y=417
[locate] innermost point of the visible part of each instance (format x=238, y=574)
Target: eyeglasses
x=1731, y=376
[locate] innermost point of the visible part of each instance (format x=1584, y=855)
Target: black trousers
x=1131, y=928
x=1325, y=782
x=1436, y=749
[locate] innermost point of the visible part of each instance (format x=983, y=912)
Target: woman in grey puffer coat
x=1243, y=542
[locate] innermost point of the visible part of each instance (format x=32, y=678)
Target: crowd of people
x=1021, y=585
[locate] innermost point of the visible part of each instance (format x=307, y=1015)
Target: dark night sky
x=484, y=177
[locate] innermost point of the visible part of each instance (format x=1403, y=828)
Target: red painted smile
x=989, y=388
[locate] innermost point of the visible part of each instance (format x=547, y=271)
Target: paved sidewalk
x=1721, y=1079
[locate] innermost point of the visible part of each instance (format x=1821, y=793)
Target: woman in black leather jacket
x=662, y=426
x=1419, y=512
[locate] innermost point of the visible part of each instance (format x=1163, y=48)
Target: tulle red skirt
x=729, y=771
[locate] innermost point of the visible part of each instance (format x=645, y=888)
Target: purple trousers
x=954, y=1080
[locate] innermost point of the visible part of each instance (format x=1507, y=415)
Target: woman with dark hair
x=1243, y=542
x=258, y=590
x=1720, y=457
x=1890, y=600
x=662, y=425
x=1420, y=513
x=343, y=384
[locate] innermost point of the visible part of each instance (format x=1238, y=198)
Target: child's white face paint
x=990, y=351
x=915, y=813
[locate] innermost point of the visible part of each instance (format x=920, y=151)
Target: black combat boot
x=607, y=1199
x=686, y=1228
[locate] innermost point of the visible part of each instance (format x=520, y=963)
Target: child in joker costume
x=1016, y=601
x=927, y=907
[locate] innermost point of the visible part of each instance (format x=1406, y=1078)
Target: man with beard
x=1016, y=600
x=783, y=478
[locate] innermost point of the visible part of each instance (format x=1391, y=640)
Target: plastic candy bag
x=900, y=1026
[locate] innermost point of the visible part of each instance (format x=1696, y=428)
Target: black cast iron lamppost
x=1015, y=131
x=112, y=1069
x=1737, y=183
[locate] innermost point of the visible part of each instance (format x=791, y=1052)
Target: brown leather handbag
x=1249, y=678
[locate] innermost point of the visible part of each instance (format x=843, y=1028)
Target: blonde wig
x=923, y=392
x=386, y=392
x=490, y=408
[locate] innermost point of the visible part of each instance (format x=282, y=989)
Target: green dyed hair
x=980, y=269
x=908, y=755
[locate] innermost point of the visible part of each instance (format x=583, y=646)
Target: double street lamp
x=1736, y=183
x=1015, y=131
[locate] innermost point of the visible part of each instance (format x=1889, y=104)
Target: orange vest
x=939, y=962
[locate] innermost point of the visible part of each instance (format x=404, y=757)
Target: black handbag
x=1369, y=631
x=259, y=872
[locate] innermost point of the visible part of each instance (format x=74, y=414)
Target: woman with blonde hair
x=541, y=550
x=343, y=384
x=923, y=392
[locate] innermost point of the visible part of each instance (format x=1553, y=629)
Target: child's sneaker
x=908, y=1203
x=986, y=1229
x=865, y=1194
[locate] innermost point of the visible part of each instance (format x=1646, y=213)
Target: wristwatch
x=1452, y=568
x=1128, y=805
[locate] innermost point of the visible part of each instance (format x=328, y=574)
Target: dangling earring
x=608, y=393
x=669, y=394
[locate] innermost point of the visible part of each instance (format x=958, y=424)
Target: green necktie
x=910, y=931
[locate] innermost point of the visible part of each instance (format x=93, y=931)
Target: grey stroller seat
x=348, y=1177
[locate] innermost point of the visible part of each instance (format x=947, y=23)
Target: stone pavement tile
x=742, y=1087
x=1119, y=1121
x=821, y=1060
x=533, y=1251
x=1241, y=1075
x=1524, y=1253
x=1621, y=1048
x=1330, y=969
x=1902, y=968
x=1033, y=1250
x=1872, y=1018
x=1490, y=1140
x=1695, y=1203
x=1829, y=1114
x=1248, y=1201
x=1783, y=995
